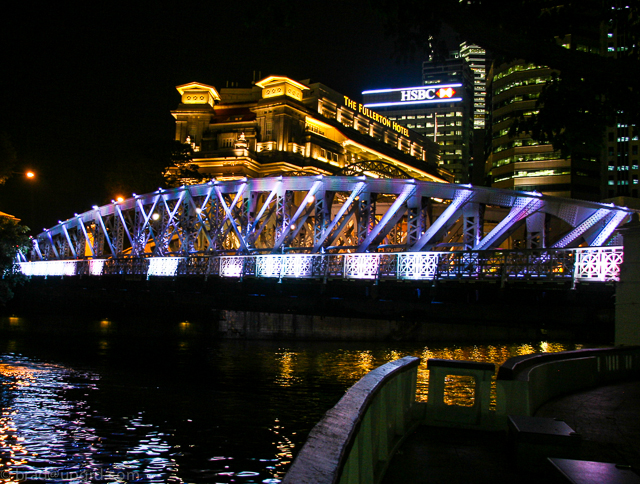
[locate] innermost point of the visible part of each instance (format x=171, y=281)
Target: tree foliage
x=184, y=171
x=13, y=239
x=590, y=89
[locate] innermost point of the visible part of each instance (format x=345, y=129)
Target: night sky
x=82, y=87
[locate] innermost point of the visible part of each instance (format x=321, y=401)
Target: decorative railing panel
x=164, y=266
x=599, y=264
x=418, y=266
x=231, y=266
x=361, y=266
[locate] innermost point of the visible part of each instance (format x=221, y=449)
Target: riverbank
x=336, y=310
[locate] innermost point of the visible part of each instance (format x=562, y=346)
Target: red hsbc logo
x=443, y=93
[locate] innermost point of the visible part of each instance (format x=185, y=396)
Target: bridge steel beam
x=316, y=214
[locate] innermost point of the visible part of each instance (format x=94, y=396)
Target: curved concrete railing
x=524, y=383
x=355, y=439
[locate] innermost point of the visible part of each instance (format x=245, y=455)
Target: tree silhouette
x=13, y=239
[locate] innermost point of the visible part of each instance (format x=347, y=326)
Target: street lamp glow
x=30, y=174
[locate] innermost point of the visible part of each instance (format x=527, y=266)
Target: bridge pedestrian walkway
x=607, y=418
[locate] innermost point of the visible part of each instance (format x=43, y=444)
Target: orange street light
x=27, y=174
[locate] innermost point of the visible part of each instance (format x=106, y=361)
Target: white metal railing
x=594, y=264
x=598, y=264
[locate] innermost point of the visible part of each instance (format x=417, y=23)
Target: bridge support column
x=627, y=330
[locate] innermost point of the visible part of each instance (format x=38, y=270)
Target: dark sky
x=82, y=88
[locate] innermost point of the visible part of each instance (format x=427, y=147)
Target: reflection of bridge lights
x=286, y=376
x=525, y=349
x=365, y=361
x=285, y=450
x=459, y=390
x=14, y=321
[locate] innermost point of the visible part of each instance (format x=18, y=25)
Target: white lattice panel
x=269, y=265
x=418, y=266
x=231, y=266
x=163, y=266
x=96, y=266
x=298, y=265
x=361, y=266
x=49, y=268
x=599, y=264
x=293, y=265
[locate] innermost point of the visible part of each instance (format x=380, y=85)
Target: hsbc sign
x=431, y=93
x=442, y=93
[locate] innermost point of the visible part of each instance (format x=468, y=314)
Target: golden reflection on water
x=348, y=366
x=284, y=454
x=286, y=375
x=459, y=390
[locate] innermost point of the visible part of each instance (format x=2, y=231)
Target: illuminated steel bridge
x=337, y=227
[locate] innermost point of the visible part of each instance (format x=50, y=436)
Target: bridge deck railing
x=594, y=264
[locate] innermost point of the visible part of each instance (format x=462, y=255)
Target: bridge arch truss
x=332, y=215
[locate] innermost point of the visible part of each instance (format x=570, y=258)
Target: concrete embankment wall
x=260, y=325
x=336, y=310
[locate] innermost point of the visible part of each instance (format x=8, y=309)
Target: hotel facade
x=280, y=126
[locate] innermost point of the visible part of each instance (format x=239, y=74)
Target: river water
x=98, y=406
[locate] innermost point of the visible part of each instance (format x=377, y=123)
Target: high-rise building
x=516, y=160
x=621, y=140
x=476, y=57
x=520, y=162
x=452, y=69
x=441, y=110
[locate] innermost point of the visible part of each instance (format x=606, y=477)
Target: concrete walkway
x=608, y=419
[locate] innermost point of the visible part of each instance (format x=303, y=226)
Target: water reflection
x=186, y=410
x=287, y=375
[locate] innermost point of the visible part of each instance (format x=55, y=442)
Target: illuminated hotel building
x=284, y=127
